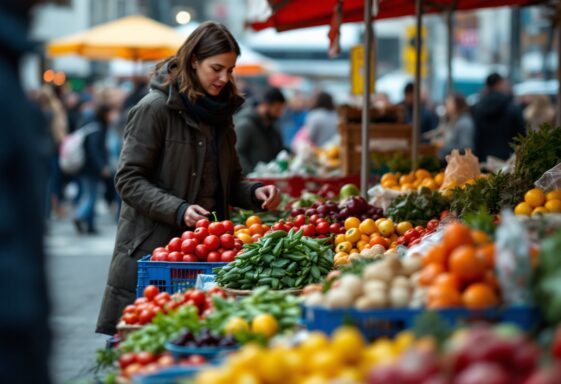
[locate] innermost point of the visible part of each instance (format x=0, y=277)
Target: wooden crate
x=392, y=114
x=385, y=138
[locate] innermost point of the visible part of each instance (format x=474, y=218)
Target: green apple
x=348, y=190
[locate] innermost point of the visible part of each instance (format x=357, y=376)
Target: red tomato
x=198, y=298
x=171, y=305
x=201, y=251
x=216, y=229
x=322, y=228
x=163, y=296
x=228, y=226
x=299, y=220
x=151, y=291
x=228, y=256
x=141, y=300
x=174, y=244
x=196, y=360
x=444, y=214
x=279, y=227
x=145, y=317
x=400, y=240
x=201, y=233
x=314, y=219
x=188, y=235
x=238, y=243
x=159, y=249
x=129, y=309
x=410, y=235
x=212, y=242
x=130, y=318
x=309, y=230
x=190, y=258
x=188, y=246
x=420, y=229
x=415, y=242
x=213, y=257
x=160, y=256
x=127, y=359
x=335, y=228
x=216, y=291
x=256, y=237
x=432, y=224
x=174, y=257
x=145, y=358
x=203, y=223
x=228, y=241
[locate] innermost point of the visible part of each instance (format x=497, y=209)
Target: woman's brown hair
x=208, y=39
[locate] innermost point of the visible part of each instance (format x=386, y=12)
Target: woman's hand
x=193, y=214
x=269, y=195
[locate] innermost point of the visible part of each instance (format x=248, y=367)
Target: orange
x=439, y=178
x=456, y=234
x=377, y=239
x=388, y=177
x=479, y=237
x=479, y=296
x=389, y=184
x=257, y=229
x=422, y=174
x=252, y=220
x=406, y=179
x=440, y=296
x=535, y=197
x=487, y=253
x=429, y=273
x=491, y=280
x=465, y=264
x=448, y=280
x=435, y=254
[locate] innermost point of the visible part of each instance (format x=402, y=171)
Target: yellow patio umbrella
x=130, y=38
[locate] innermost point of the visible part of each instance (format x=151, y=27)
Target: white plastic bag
x=551, y=180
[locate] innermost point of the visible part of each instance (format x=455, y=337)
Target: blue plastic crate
x=170, y=277
x=209, y=353
x=170, y=375
x=389, y=322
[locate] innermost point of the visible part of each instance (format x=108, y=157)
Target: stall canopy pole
x=558, y=24
x=417, y=101
x=450, y=28
x=365, y=164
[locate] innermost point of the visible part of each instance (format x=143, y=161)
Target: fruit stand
x=450, y=283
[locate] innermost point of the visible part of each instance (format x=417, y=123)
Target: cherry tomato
x=201, y=251
x=145, y=316
x=201, y=233
x=322, y=228
x=213, y=257
x=127, y=359
x=432, y=224
x=228, y=256
x=309, y=230
x=335, y=228
x=174, y=244
x=314, y=219
x=228, y=241
x=216, y=229
x=129, y=309
x=145, y=358
x=198, y=298
x=203, y=223
x=151, y=291
x=228, y=226
x=130, y=318
x=190, y=258
x=300, y=220
x=212, y=242
x=410, y=235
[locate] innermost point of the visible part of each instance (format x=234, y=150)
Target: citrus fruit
x=456, y=234
x=480, y=237
x=265, y=324
x=435, y=254
x=430, y=272
x=388, y=176
x=539, y=211
x=386, y=227
x=535, y=197
x=389, y=184
x=442, y=296
x=553, y=195
x=236, y=325
x=439, y=178
x=368, y=227
x=245, y=238
x=448, y=280
x=403, y=226
x=523, y=209
x=487, y=253
x=316, y=341
x=553, y=205
x=465, y=264
x=479, y=296
x=352, y=235
x=348, y=343
x=422, y=174
x=406, y=179
x=352, y=222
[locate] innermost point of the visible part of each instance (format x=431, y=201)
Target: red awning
x=294, y=14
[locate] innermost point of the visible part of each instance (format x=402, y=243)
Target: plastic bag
x=460, y=168
x=513, y=261
x=382, y=197
x=551, y=179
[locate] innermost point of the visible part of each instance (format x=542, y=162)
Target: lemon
x=273, y=367
x=348, y=343
x=553, y=195
x=553, y=205
x=539, y=211
x=236, y=325
x=265, y=324
x=386, y=227
x=403, y=226
x=325, y=362
x=523, y=209
x=315, y=341
x=535, y=197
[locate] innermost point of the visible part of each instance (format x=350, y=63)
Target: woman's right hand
x=193, y=214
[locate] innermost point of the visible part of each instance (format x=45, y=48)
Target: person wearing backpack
x=95, y=167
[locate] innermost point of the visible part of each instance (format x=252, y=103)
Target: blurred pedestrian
x=539, y=111
x=25, y=149
x=462, y=128
x=54, y=111
x=429, y=119
x=497, y=120
x=140, y=89
x=321, y=122
x=179, y=161
x=294, y=117
x=259, y=138
x=96, y=167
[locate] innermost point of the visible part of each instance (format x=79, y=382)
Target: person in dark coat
x=259, y=138
x=96, y=167
x=429, y=119
x=25, y=150
x=179, y=160
x=497, y=120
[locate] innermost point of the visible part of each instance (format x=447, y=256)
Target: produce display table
x=295, y=185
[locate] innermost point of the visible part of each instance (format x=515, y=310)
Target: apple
x=348, y=190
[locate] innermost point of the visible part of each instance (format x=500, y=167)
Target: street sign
x=409, y=53
x=357, y=70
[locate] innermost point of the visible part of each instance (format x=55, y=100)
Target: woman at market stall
x=462, y=128
x=178, y=162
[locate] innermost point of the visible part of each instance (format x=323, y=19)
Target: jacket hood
x=493, y=103
x=14, y=22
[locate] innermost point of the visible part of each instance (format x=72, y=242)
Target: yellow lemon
x=386, y=227
x=539, y=211
x=403, y=226
x=535, y=197
x=553, y=205
x=265, y=324
x=553, y=195
x=523, y=209
x=348, y=343
x=236, y=325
